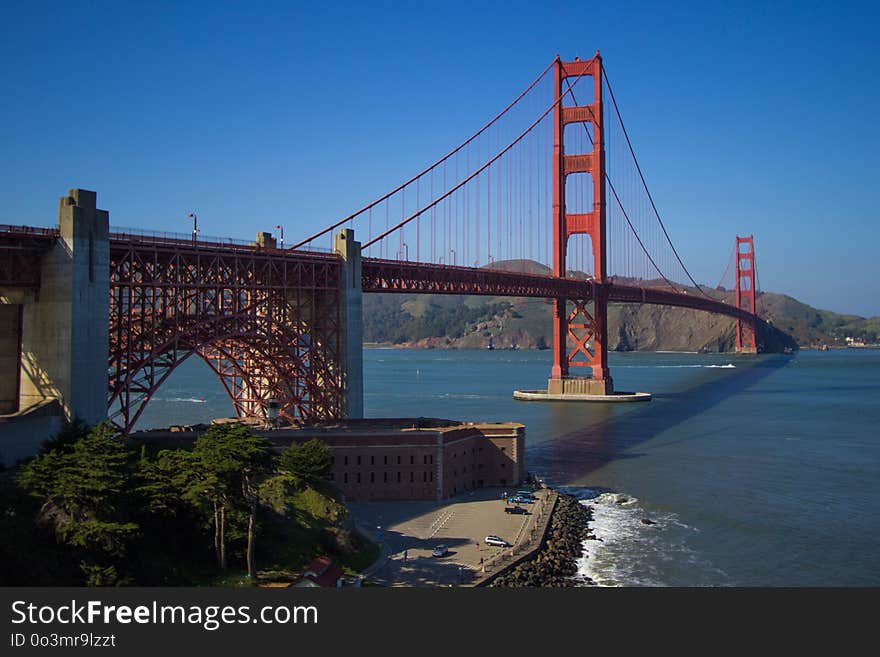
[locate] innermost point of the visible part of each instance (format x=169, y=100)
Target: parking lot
x=409, y=531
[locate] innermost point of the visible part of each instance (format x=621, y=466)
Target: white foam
x=632, y=553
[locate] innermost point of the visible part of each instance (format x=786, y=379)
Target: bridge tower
x=746, y=342
x=585, y=326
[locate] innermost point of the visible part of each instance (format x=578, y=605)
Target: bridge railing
x=178, y=239
x=30, y=231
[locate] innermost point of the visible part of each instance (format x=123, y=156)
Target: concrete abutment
x=60, y=330
x=352, y=320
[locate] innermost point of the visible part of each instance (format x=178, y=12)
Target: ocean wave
x=190, y=400
x=458, y=395
x=631, y=552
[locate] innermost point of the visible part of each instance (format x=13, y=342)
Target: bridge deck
x=396, y=276
x=21, y=246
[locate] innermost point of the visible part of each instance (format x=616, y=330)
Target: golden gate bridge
x=547, y=199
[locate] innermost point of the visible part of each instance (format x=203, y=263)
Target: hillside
x=475, y=322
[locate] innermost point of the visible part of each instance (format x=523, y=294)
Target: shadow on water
x=613, y=432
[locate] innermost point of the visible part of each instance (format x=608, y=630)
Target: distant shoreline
x=412, y=345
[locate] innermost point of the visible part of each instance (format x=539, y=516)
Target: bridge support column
x=64, y=326
x=746, y=337
x=582, y=328
x=352, y=320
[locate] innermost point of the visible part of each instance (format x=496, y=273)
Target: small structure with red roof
x=321, y=572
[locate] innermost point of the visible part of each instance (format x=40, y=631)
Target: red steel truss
x=586, y=329
x=414, y=277
x=267, y=322
x=661, y=297
x=421, y=278
x=746, y=341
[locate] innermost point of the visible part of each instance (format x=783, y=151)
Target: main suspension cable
x=645, y=184
x=431, y=167
x=570, y=91
x=474, y=174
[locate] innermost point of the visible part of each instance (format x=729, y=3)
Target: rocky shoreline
x=555, y=564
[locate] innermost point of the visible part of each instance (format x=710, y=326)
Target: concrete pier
x=580, y=389
x=352, y=320
x=56, y=337
x=571, y=385
x=614, y=397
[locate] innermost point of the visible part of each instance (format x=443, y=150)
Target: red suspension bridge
x=550, y=193
x=545, y=200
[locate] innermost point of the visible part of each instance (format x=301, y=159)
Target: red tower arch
x=586, y=325
x=746, y=341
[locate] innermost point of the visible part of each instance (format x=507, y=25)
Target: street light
x=281, y=228
x=192, y=215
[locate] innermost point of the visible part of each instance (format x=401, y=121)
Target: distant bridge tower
x=586, y=327
x=746, y=341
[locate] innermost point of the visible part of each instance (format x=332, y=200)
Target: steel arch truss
x=268, y=324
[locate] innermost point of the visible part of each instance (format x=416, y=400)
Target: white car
x=440, y=551
x=497, y=541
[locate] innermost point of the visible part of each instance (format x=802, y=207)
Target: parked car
x=520, y=500
x=497, y=541
x=440, y=551
x=515, y=509
x=524, y=493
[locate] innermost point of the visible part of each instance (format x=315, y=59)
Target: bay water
x=749, y=470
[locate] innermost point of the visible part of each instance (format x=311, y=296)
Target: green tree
x=83, y=487
x=67, y=436
x=163, y=481
x=310, y=460
x=224, y=470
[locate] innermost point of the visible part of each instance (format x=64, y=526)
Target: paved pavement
x=409, y=531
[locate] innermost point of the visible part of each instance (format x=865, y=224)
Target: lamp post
x=281, y=228
x=192, y=215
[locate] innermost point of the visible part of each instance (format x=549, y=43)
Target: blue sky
x=751, y=118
